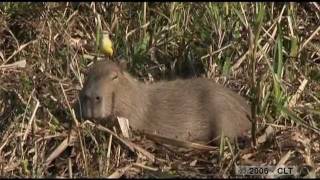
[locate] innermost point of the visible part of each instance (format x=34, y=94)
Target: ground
x=267, y=52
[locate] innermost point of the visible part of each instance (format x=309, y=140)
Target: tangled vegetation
x=267, y=52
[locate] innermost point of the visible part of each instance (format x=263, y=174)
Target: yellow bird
x=106, y=44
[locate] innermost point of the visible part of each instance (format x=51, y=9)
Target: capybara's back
x=195, y=109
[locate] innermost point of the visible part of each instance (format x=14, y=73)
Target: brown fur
x=192, y=110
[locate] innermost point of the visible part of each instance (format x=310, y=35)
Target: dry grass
x=269, y=53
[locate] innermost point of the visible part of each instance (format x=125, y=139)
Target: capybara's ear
x=123, y=64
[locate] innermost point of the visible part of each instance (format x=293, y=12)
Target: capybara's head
x=105, y=80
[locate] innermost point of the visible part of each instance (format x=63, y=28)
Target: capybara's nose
x=86, y=109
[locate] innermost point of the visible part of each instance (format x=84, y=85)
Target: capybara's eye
x=98, y=99
x=114, y=77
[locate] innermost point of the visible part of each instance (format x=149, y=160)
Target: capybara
x=196, y=109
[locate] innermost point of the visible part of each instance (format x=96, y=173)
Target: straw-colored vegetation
x=268, y=52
